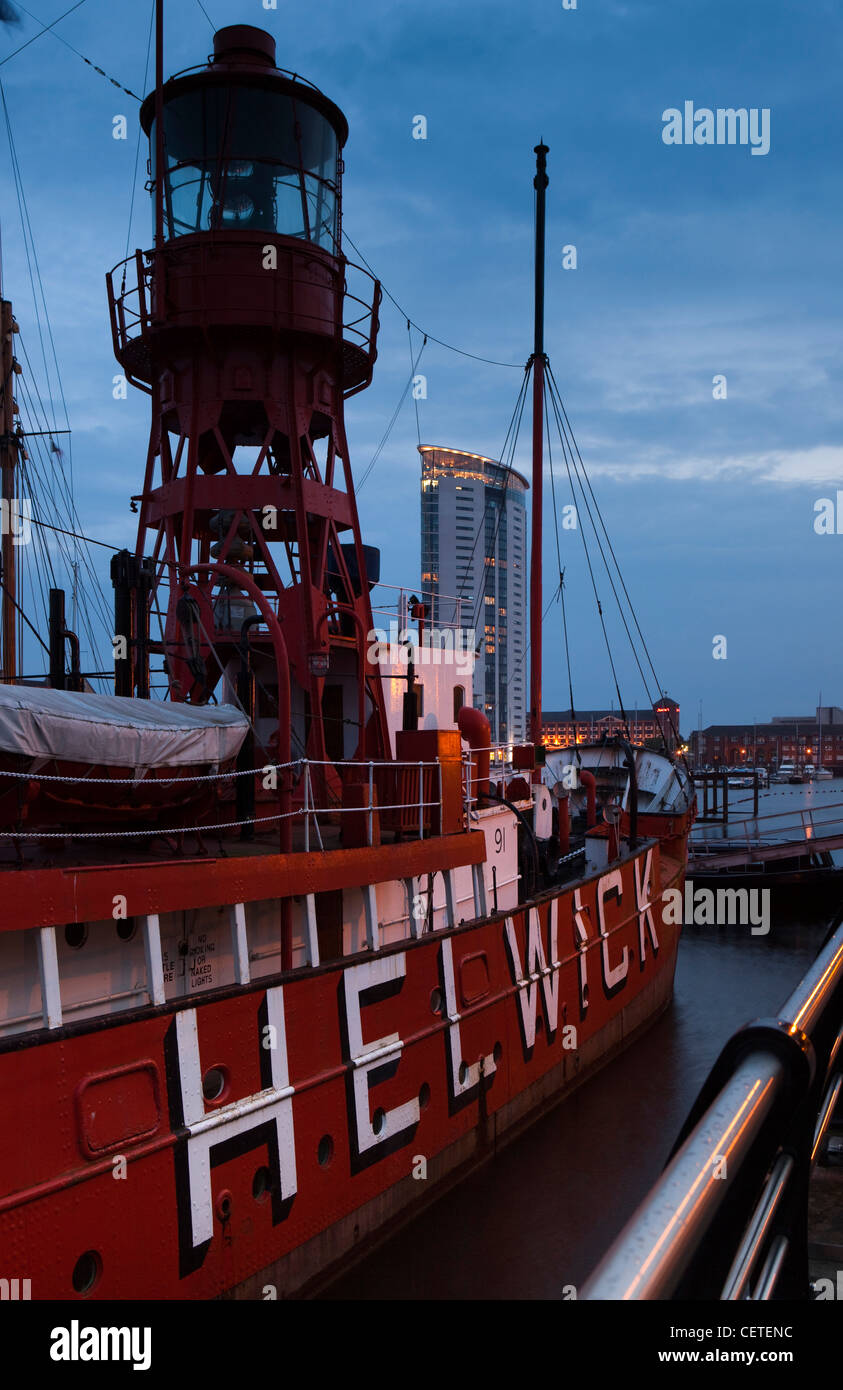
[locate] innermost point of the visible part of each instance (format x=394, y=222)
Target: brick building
x=560, y=730
x=786, y=739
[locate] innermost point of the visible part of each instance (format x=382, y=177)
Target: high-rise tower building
x=474, y=572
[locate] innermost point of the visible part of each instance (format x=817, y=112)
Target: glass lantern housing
x=249, y=156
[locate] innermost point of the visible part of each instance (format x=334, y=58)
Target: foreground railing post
x=306, y=805
x=371, y=827
x=752, y=1135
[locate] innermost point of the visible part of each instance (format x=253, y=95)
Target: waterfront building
x=474, y=572
x=561, y=729
x=785, y=739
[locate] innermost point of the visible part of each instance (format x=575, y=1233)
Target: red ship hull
x=349, y=1094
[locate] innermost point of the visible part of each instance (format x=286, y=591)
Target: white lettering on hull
x=536, y=973
x=614, y=976
x=463, y=1077
x=209, y=1128
x=373, y=1061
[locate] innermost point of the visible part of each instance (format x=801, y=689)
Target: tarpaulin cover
x=116, y=730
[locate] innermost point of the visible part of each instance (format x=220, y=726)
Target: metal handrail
x=734, y=1191
x=132, y=323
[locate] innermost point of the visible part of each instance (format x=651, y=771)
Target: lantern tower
x=248, y=329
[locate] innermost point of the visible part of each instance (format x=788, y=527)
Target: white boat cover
x=116, y=730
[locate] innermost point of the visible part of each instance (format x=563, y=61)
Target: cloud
x=820, y=465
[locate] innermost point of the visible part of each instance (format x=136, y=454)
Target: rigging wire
x=66, y=503
x=45, y=30
x=139, y=139
x=205, y=13
x=101, y=71
x=608, y=541
x=561, y=569
x=490, y=361
x=569, y=442
x=514, y=423
x=603, y=557
x=29, y=249
x=77, y=535
x=394, y=418
x=413, y=366
x=593, y=580
x=519, y=412
x=52, y=478
x=20, y=611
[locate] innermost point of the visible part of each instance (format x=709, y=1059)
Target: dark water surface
x=543, y=1212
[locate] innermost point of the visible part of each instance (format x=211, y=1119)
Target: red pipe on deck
x=477, y=732
x=587, y=779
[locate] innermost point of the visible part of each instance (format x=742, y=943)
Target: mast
x=9, y=446
x=159, y=127
x=540, y=184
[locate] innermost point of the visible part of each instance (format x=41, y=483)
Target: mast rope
x=490, y=361
x=205, y=13
x=561, y=571
x=49, y=28
x=591, y=573
x=396, y=412
x=556, y=403
x=514, y=424
x=568, y=439
x=510, y=468
x=46, y=29
x=138, y=146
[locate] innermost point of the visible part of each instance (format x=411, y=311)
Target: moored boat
x=277, y=968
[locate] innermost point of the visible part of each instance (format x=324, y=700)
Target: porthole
x=86, y=1272
x=463, y=1073
x=214, y=1083
x=76, y=934
x=325, y=1152
x=127, y=928
x=497, y=1051
x=379, y=1121
x=424, y=1096
x=261, y=1184
x=435, y=1001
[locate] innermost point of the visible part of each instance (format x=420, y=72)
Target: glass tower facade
x=474, y=573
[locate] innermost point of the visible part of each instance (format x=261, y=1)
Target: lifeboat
x=68, y=756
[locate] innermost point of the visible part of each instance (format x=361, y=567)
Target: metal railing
x=378, y=776
x=412, y=804
x=728, y=1218
x=397, y=609
x=780, y=827
x=130, y=286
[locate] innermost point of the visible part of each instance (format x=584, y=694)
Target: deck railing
x=728, y=1218
x=780, y=827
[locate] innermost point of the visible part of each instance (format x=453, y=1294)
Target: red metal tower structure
x=241, y=326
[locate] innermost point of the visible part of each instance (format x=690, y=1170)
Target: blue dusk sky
x=693, y=261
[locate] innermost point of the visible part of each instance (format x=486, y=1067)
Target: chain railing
x=410, y=815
